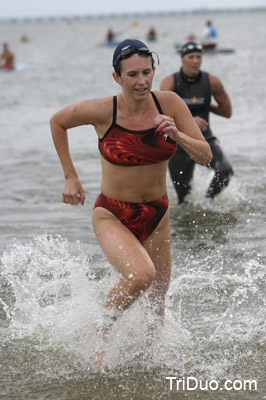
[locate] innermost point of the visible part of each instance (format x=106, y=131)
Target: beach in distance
x=54, y=277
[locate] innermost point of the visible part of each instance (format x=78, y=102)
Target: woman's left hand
x=165, y=124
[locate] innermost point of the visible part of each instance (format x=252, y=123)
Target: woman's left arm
x=181, y=127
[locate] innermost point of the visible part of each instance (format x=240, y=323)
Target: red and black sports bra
x=123, y=146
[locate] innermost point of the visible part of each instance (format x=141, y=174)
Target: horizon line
x=137, y=14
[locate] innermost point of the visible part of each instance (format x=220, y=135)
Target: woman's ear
x=117, y=78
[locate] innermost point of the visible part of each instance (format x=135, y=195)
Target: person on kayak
x=209, y=38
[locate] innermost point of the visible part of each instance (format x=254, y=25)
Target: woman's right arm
x=82, y=113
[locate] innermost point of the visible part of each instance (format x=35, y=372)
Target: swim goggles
x=190, y=48
x=125, y=53
x=193, y=47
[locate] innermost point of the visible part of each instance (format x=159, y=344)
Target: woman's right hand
x=73, y=192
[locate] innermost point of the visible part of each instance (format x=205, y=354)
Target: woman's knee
x=142, y=280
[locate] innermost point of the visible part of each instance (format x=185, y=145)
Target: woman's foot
x=99, y=351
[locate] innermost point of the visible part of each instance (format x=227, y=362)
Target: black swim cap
x=129, y=47
x=190, y=47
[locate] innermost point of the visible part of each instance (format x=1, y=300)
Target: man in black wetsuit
x=196, y=88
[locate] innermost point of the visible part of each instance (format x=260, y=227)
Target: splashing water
x=57, y=298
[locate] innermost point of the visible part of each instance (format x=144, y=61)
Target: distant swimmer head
x=190, y=47
x=126, y=49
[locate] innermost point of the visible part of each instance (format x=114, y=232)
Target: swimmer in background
x=24, y=39
x=110, y=36
x=152, y=35
x=8, y=58
x=197, y=88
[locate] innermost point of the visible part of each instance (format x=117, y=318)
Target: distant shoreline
x=200, y=11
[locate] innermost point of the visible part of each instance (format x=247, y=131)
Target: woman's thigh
x=121, y=247
x=158, y=246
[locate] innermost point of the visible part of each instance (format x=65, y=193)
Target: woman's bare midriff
x=136, y=184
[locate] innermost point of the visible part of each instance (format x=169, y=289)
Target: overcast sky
x=31, y=8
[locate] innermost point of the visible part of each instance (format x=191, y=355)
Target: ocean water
x=54, y=277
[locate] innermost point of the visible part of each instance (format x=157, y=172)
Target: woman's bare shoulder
x=166, y=95
x=97, y=105
x=95, y=111
x=168, y=100
x=85, y=112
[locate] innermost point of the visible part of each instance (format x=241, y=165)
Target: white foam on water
x=229, y=198
x=58, y=298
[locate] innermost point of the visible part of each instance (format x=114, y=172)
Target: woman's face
x=137, y=75
x=191, y=63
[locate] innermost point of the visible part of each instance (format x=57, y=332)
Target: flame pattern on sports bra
x=123, y=146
